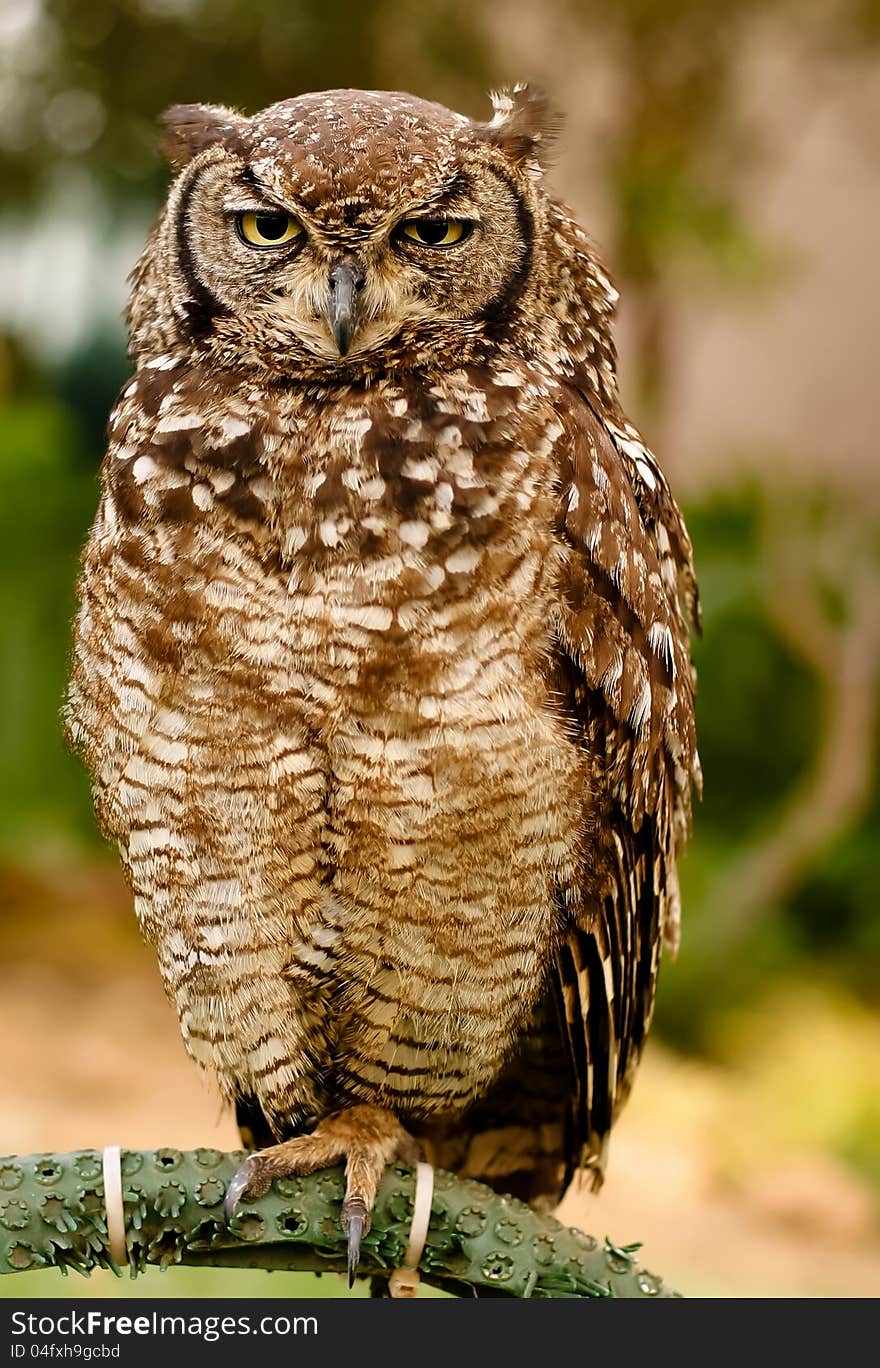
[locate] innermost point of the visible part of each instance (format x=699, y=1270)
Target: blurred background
x=727, y=157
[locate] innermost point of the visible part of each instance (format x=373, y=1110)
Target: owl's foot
x=367, y=1138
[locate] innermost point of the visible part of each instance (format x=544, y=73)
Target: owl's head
x=344, y=233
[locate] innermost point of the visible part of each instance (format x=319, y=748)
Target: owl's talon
x=355, y=1223
x=241, y=1184
x=364, y=1138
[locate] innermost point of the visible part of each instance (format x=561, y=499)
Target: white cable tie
x=404, y=1281
x=111, y=1163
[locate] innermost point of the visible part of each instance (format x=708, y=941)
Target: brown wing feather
x=624, y=675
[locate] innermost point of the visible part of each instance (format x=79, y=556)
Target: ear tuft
x=189, y=129
x=524, y=125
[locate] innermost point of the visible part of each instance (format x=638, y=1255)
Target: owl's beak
x=346, y=282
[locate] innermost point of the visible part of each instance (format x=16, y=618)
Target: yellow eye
x=270, y=229
x=439, y=232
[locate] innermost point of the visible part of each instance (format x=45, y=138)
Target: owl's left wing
x=622, y=672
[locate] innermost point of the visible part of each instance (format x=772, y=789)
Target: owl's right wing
x=622, y=673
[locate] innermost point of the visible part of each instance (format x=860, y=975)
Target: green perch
x=479, y=1244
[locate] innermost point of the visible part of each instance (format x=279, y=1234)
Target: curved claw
x=238, y=1186
x=355, y=1231
x=355, y=1225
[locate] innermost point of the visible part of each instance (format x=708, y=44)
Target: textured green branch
x=479, y=1244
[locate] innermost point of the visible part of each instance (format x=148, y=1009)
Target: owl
x=381, y=666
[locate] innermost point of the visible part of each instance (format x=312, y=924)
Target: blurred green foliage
x=757, y=705
x=46, y=498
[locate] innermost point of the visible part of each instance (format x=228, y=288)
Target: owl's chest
x=407, y=559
